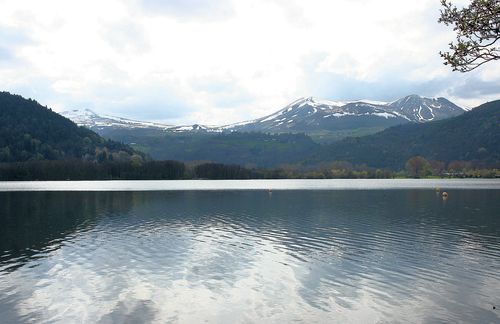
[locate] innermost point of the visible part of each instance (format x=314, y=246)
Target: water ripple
x=307, y=256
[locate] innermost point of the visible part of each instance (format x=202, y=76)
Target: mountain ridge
x=306, y=115
x=88, y=118
x=303, y=113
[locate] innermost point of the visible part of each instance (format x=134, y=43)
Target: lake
x=316, y=251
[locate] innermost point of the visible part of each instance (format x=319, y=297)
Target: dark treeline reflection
x=33, y=222
x=87, y=170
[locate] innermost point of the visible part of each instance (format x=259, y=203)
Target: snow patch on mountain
x=89, y=119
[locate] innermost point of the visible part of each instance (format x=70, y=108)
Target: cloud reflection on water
x=250, y=257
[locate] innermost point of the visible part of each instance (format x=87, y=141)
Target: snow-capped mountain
x=89, y=119
x=96, y=122
x=310, y=114
x=307, y=115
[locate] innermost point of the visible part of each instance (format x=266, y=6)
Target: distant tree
x=478, y=30
x=136, y=160
x=437, y=167
x=418, y=167
x=459, y=166
x=5, y=155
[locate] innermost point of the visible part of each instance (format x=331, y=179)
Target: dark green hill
x=29, y=131
x=473, y=136
x=247, y=149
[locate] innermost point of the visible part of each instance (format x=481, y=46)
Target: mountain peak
x=315, y=102
x=422, y=109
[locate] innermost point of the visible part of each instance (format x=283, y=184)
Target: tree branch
x=478, y=30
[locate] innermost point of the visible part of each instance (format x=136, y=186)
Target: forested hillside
x=30, y=131
x=248, y=149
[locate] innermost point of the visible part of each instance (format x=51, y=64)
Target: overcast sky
x=222, y=61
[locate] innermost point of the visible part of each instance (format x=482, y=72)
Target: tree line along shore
x=416, y=167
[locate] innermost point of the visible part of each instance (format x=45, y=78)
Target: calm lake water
x=390, y=254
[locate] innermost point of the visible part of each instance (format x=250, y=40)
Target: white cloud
x=218, y=62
